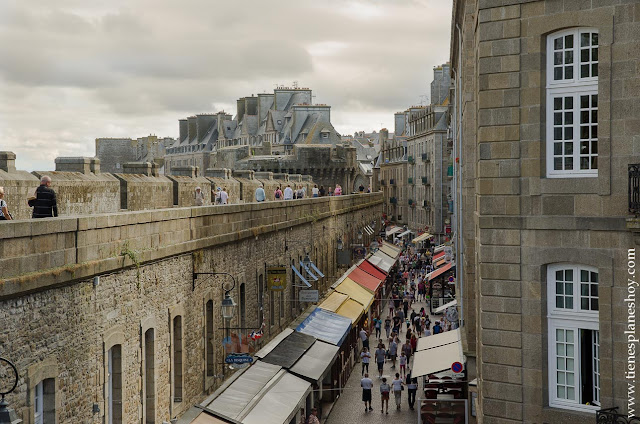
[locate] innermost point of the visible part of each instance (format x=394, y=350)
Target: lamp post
x=8, y=415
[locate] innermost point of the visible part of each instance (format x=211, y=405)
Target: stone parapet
x=82, y=165
x=7, y=161
x=185, y=171
x=54, y=251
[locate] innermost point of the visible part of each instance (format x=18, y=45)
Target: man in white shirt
x=366, y=384
x=224, y=196
x=288, y=193
x=315, y=191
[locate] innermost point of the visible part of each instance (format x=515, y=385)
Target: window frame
x=574, y=86
x=576, y=320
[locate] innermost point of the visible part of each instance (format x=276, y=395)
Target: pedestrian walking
x=366, y=358
x=393, y=352
x=313, y=417
x=364, y=336
x=261, y=196
x=387, y=325
x=412, y=388
x=398, y=387
x=436, y=328
x=377, y=324
x=4, y=209
x=322, y=191
x=427, y=330
x=315, y=192
x=45, y=204
x=380, y=355
x=384, y=394
x=367, y=384
x=199, y=197
x=406, y=349
x=338, y=190
x=403, y=364
x=288, y=193
x=277, y=194
x=224, y=196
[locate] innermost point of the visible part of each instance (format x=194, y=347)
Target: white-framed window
x=574, y=338
x=572, y=103
x=37, y=403
x=44, y=402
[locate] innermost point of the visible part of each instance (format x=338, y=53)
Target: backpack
x=277, y=194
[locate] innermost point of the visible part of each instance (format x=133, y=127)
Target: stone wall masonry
x=184, y=190
x=64, y=318
x=17, y=186
x=84, y=193
x=141, y=192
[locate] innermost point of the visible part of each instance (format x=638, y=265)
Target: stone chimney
x=8, y=161
x=74, y=164
x=95, y=165
x=248, y=175
x=185, y=171
x=183, y=127
x=142, y=168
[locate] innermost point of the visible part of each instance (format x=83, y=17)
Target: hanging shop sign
x=238, y=358
x=436, y=285
x=308, y=296
x=277, y=278
x=359, y=252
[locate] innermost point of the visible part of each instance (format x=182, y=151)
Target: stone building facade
x=392, y=174
x=429, y=156
x=115, y=152
x=103, y=316
x=545, y=123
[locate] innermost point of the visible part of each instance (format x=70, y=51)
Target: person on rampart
x=44, y=203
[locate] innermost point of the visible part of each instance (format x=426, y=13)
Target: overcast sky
x=75, y=70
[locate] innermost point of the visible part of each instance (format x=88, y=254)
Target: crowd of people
x=410, y=286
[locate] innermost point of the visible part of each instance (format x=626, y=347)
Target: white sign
x=308, y=296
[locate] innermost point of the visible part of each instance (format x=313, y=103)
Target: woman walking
x=366, y=358
x=384, y=395
x=398, y=387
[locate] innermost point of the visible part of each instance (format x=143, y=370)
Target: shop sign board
x=308, y=296
x=276, y=278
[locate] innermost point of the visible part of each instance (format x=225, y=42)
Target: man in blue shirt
x=260, y=195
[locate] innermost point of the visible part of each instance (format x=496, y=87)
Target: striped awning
x=440, y=271
x=369, y=230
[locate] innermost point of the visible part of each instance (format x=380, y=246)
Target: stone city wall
x=60, y=322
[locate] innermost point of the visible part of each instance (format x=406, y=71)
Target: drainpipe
x=460, y=258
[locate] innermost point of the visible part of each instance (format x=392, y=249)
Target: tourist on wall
x=260, y=194
x=300, y=193
x=4, y=209
x=199, y=197
x=44, y=203
x=288, y=193
x=315, y=192
x=322, y=191
x=277, y=194
x=224, y=196
x=338, y=190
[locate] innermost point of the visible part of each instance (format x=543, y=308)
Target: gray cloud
x=74, y=70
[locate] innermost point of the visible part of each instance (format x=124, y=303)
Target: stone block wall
x=184, y=189
x=141, y=192
x=84, y=193
x=59, y=321
x=518, y=221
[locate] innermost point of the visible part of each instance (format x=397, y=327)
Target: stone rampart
x=74, y=287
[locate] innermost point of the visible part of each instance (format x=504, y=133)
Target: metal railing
x=611, y=416
x=634, y=188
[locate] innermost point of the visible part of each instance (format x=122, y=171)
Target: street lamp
x=306, y=261
x=228, y=306
x=359, y=234
x=8, y=415
x=340, y=244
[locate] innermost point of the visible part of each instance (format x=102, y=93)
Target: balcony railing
x=392, y=181
x=410, y=180
x=410, y=159
x=425, y=180
x=611, y=416
x=634, y=188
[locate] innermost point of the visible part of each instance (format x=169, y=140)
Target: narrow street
x=349, y=407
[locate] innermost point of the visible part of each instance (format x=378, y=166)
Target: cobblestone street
x=349, y=408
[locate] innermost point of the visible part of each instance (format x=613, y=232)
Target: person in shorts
x=366, y=385
x=384, y=394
